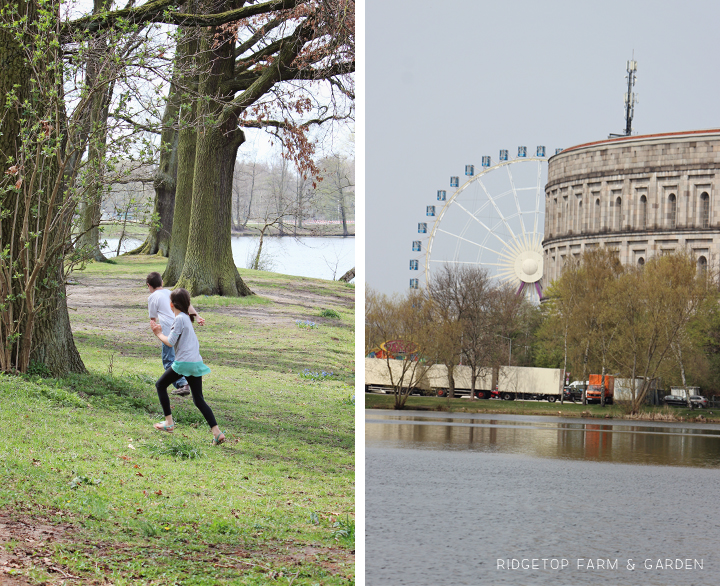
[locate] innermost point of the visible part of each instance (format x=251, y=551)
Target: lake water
x=474, y=499
x=316, y=257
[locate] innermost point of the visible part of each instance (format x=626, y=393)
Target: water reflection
x=673, y=444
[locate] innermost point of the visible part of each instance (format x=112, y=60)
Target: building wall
x=642, y=195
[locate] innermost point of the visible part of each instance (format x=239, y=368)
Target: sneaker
x=182, y=391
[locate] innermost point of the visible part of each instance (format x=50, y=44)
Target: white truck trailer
x=378, y=380
x=525, y=382
x=462, y=375
x=514, y=382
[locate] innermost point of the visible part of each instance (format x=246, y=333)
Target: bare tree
x=402, y=324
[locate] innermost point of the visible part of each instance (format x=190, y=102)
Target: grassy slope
x=274, y=504
x=376, y=401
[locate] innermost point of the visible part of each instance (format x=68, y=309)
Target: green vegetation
x=617, y=411
x=130, y=230
x=131, y=505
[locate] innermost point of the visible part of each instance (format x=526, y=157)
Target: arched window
x=701, y=264
x=641, y=262
x=672, y=210
x=578, y=227
x=618, y=214
x=567, y=213
x=704, y=210
x=596, y=222
x=643, y=213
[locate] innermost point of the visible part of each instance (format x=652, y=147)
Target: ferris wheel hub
x=529, y=266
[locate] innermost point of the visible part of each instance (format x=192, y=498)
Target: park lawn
x=617, y=411
x=130, y=505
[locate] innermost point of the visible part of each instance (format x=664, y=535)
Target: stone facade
x=641, y=195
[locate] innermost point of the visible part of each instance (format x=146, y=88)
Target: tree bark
x=349, y=276
x=35, y=323
x=186, y=143
x=209, y=268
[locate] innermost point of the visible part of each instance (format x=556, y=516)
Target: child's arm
x=157, y=330
x=193, y=311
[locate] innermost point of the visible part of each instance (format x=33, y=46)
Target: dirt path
x=109, y=299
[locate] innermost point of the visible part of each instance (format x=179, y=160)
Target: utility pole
x=629, y=98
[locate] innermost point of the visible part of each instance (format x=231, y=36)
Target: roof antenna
x=629, y=98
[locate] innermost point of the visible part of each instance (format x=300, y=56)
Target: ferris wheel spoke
x=479, y=221
x=494, y=221
x=465, y=262
x=497, y=209
x=517, y=202
x=461, y=238
x=538, y=199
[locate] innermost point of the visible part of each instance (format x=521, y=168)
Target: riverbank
x=595, y=411
x=140, y=232
x=91, y=492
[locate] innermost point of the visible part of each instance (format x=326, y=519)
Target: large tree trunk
x=34, y=323
x=187, y=139
x=53, y=343
x=209, y=268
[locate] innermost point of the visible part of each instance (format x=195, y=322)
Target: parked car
x=572, y=393
x=678, y=401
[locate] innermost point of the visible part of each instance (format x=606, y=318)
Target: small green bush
x=330, y=313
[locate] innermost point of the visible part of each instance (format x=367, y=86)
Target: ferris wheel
x=495, y=220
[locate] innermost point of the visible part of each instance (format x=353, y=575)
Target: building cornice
x=650, y=233
x=652, y=170
x=626, y=141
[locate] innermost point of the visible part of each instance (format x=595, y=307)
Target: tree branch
x=158, y=11
x=246, y=79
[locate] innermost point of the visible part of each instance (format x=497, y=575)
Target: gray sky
x=449, y=82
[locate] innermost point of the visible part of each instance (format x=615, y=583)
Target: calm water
x=457, y=499
x=303, y=257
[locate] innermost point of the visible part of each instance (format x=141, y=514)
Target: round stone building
x=640, y=195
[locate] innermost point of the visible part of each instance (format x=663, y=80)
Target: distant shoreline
x=318, y=231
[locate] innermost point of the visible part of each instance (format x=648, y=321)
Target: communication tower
x=629, y=98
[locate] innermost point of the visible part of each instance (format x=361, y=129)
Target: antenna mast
x=629, y=98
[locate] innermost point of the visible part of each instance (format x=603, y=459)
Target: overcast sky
x=449, y=82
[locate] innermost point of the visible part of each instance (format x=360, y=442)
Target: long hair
x=181, y=300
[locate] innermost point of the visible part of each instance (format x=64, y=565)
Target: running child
x=159, y=310
x=188, y=363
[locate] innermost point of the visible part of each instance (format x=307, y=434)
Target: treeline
x=462, y=317
x=264, y=192
x=275, y=194
x=658, y=321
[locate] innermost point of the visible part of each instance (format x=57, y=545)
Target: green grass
x=274, y=504
x=619, y=411
x=208, y=301
x=114, y=229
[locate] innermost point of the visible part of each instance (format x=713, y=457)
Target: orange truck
x=595, y=387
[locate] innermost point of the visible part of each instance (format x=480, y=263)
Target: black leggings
x=195, y=383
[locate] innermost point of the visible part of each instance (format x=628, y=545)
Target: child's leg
x=168, y=377
x=168, y=357
x=195, y=383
